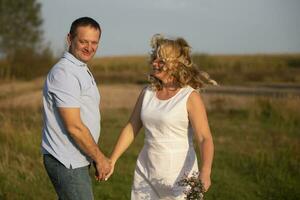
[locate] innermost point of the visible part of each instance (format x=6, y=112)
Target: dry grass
x=112, y=96
x=119, y=96
x=256, y=138
x=256, y=142
x=14, y=87
x=118, y=59
x=116, y=96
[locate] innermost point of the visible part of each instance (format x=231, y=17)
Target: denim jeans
x=70, y=184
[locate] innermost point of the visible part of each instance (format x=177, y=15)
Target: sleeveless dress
x=168, y=151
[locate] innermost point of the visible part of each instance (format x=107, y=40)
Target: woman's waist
x=168, y=145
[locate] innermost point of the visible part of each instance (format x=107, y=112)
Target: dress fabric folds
x=168, y=151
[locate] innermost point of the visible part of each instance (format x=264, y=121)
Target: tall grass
x=256, y=153
x=241, y=69
x=26, y=64
x=227, y=69
x=21, y=173
x=127, y=69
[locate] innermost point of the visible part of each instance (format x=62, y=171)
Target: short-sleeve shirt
x=69, y=84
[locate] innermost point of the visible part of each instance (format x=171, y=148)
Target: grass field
x=257, y=139
x=227, y=69
x=257, y=147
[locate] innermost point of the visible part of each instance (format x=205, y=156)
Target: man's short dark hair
x=83, y=21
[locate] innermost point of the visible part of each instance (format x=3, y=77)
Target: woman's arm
x=129, y=132
x=199, y=122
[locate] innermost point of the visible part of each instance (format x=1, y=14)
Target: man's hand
x=103, y=167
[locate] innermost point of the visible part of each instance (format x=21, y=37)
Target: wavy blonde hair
x=176, y=54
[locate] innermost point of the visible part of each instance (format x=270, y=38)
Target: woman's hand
x=102, y=169
x=205, y=179
x=111, y=170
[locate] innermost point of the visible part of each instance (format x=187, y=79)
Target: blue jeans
x=70, y=184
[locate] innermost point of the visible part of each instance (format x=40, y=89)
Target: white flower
x=194, y=186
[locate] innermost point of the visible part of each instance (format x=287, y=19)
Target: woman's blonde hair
x=176, y=54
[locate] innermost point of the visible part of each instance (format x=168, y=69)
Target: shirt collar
x=74, y=60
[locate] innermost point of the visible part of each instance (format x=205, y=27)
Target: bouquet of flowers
x=194, y=187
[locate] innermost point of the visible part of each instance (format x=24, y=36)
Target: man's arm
x=83, y=138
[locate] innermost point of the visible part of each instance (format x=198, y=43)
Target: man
x=72, y=117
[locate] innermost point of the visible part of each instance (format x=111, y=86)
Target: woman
x=171, y=110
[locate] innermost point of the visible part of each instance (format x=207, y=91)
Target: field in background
x=257, y=141
x=227, y=69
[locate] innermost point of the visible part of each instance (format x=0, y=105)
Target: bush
x=27, y=64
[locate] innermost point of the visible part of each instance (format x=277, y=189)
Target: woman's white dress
x=168, y=151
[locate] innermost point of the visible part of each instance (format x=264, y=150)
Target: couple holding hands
x=170, y=109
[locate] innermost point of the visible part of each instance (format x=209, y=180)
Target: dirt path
x=262, y=90
x=29, y=94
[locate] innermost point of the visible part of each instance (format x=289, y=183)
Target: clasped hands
x=103, y=169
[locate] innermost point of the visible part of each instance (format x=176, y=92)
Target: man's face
x=84, y=45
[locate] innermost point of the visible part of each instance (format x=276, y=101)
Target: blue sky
x=210, y=26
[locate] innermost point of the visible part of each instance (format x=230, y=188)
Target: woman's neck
x=170, y=86
x=167, y=91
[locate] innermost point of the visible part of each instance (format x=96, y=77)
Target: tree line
x=23, y=54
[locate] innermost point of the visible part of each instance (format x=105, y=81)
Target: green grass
x=256, y=154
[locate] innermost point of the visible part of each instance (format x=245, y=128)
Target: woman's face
x=159, y=70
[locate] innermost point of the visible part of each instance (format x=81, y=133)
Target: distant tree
x=21, y=35
x=20, y=22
